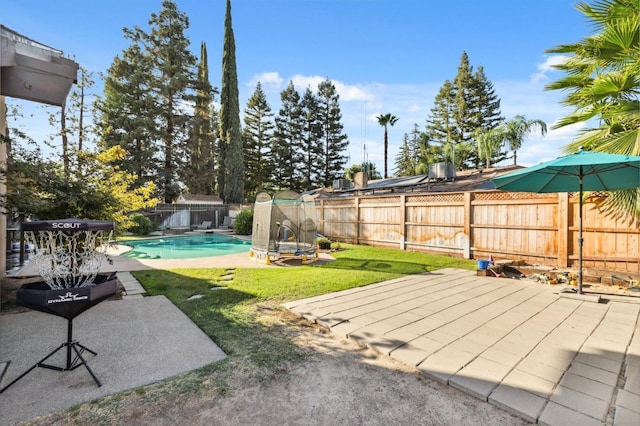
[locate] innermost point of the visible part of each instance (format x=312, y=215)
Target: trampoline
x=284, y=226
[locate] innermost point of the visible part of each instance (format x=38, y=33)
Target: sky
x=383, y=56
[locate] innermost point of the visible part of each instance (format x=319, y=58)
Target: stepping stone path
x=226, y=278
x=196, y=296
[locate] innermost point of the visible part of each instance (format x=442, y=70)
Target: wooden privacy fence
x=538, y=228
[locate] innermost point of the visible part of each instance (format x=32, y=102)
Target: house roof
x=199, y=198
x=465, y=180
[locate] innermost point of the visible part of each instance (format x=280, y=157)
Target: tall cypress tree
x=230, y=156
x=199, y=177
x=334, y=141
x=258, y=132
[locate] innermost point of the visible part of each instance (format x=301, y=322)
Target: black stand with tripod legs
x=67, y=303
x=73, y=362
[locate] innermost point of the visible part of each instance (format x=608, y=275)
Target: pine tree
x=441, y=128
x=286, y=153
x=334, y=141
x=485, y=111
x=486, y=104
x=126, y=111
x=258, y=133
x=405, y=165
x=311, y=137
x=199, y=177
x=145, y=92
x=230, y=156
x=168, y=49
x=463, y=114
x=461, y=107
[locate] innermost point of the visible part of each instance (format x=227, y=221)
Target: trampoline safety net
x=285, y=225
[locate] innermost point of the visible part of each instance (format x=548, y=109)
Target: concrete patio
x=513, y=343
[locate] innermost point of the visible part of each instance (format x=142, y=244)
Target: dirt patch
x=336, y=382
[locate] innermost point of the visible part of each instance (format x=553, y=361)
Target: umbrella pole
x=580, y=239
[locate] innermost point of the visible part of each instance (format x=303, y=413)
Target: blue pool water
x=185, y=247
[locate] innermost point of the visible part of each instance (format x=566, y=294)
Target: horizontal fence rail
x=538, y=228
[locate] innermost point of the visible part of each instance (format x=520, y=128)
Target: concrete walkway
x=514, y=343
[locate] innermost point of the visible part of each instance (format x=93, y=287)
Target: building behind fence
x=537, y=228
x=186, y=216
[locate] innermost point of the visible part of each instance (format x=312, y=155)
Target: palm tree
x=489, y=142
x=515, y=130
x=385, y=121
x=602, y=83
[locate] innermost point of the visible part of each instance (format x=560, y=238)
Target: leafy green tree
x=258, y=134
x=367, y=167
x=312, y=152
x=114, y=188
x=422, y=151
x=515, y=130
x=230, y=155
x=199, y=175
x=286, y=153
x=405, y=164
x=601, y=82
x=386, y=120
x=39, y=188
x=26, y=173
x=371, y=170
x=73, y=120
x=334, y=141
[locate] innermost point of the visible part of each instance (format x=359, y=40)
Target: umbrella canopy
x=582, y=171
x=599, y=171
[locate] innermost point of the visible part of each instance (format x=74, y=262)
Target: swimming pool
x=185, y=247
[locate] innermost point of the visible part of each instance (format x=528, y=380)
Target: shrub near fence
x=537, y=228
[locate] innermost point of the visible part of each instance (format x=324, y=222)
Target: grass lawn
x=246, y=320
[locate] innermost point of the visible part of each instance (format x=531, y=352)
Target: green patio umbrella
x=582, y=171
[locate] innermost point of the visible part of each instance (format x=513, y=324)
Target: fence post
x=468, y=217
x=563, y=230
x=403, y=219
x=356, y=200
x=320, y=217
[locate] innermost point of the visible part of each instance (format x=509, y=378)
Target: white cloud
x=270, y=81
x=301, y=82
x=548, y=66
